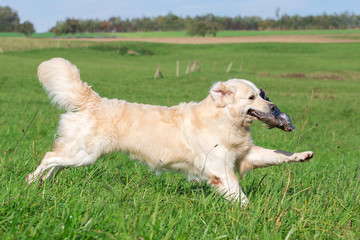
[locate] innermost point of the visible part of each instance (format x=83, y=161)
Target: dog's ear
x=222, y=94
x=263, y=95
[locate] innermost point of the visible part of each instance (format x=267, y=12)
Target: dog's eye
x=252, y=97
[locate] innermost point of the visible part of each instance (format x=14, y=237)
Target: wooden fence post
x=241, y=65
x=229, y=67
x=188, y=68
x=177, y=68
x=158, y=73
x=193, y=68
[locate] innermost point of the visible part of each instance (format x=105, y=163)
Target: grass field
x=318, y=85
x=340, y=33
x=22, y=44
x=18, y=42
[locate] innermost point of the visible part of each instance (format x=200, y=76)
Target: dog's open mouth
x=253, y=114
x=276, y=118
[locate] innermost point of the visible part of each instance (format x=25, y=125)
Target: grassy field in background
x=21, y=44
x=18, y=41
x=316, y=84
x=160, y=34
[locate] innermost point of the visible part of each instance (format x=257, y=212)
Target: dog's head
x=244, y=102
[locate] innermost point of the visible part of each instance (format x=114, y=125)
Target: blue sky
x=45, y=13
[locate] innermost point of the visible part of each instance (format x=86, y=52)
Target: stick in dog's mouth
x=275, y=118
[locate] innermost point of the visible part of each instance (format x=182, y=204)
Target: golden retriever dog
x=205, y=140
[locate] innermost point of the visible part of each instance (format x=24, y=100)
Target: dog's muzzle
x=275, y=118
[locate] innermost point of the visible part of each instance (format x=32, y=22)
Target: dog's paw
x=304, y=156
x=29, y=178
x=245, y=202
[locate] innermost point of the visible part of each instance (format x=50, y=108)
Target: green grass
x=119, y=198
x=10, y=44
x=286, y=32
x=339, y=33
x=236, y=33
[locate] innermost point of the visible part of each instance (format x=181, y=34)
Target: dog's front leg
x=227, y=183
x=260, y=157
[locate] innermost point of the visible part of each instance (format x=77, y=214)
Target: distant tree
x=203, y=25
x=9, y=20
x=170, y=22
x=129, y=26
x=116, y=23
x=58, y=28
x=197, y=28
x=148, y=24
x=228, y=23
x=213, y=28
x=71, y=26
x=252, y=23
x=268, y=24
x=202, y=28
x=105, y=26
x=27, y=28
x=93, y=26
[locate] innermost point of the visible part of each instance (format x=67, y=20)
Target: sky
x=45, y=13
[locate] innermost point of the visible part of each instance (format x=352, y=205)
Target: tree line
x=198, y=25
x=209, y=23
x=10, y=22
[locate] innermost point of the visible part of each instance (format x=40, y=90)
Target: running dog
x=205, y=140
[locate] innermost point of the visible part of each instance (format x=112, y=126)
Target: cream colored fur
x=204, y=140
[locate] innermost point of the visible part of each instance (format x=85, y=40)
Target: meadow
x=318, y=85
x=343, y=33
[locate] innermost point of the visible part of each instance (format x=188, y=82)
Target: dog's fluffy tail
x=62, y=81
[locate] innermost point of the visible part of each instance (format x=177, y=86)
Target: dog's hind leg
x=53, y=172
x=50, y=160
x=69, y=156
x=77, y=145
